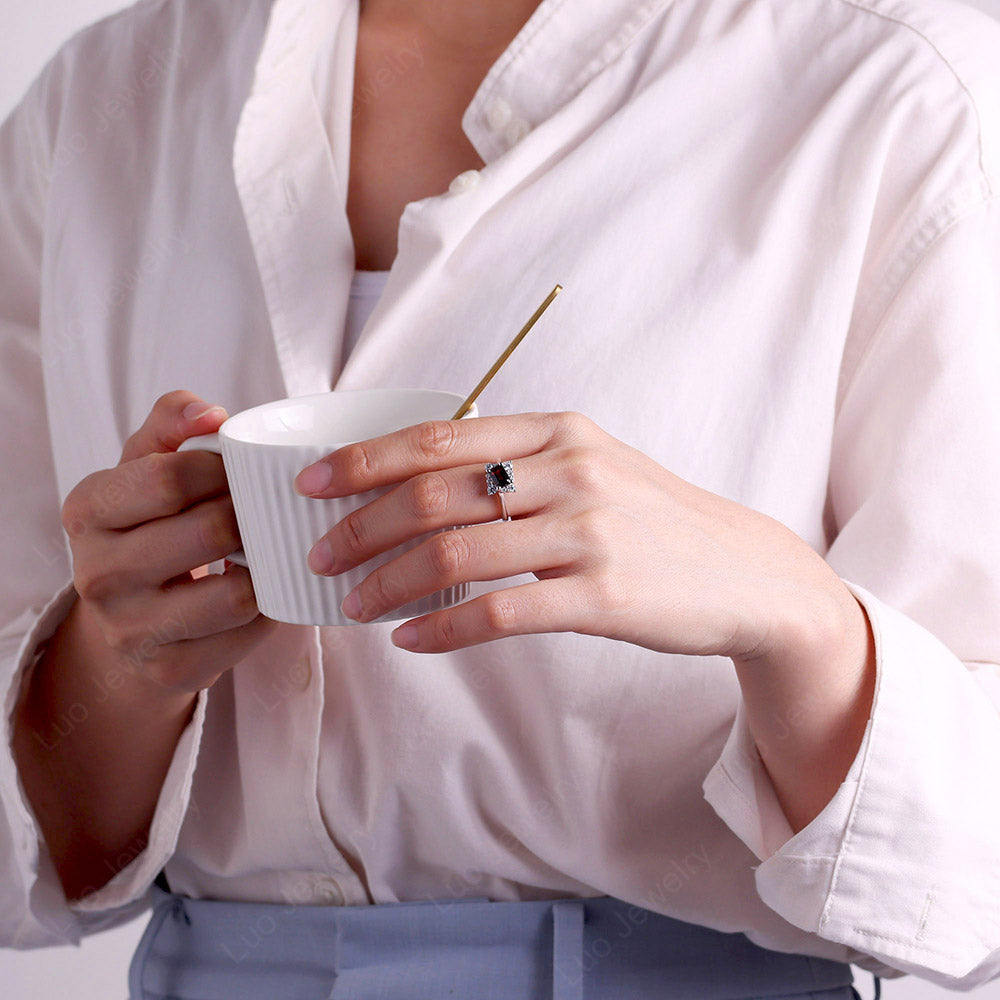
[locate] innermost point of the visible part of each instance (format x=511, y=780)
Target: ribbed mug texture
x=278, y=528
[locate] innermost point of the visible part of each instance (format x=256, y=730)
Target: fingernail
x=320, y=558
x=195, y=411
x=314, y=478
x=352, y=605
x=406, y=636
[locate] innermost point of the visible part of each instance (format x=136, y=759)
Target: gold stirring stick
x=467, y=405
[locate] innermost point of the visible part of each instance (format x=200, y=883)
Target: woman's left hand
x=619, y=545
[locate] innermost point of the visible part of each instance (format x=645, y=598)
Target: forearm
x=808, y=699
x=93, y=741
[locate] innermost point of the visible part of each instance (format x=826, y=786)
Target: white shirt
x=778, y=231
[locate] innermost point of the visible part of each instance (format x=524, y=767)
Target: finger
x=437, y=444
x=197, y=663
x=140, y=623
x=426, y=503
x=167, y=548
x=213, y=604
x=450, y=558
x=174, y=418
x=540, y=606
x=145, y=488
x=192, y=664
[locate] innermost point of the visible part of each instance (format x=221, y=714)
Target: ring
x=500, y=480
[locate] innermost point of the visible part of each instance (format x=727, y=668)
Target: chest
x=407, y=141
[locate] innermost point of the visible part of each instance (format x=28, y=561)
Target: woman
x=744, y=680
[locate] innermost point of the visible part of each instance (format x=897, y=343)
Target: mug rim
x=225, y=430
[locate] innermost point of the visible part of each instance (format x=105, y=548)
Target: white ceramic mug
x=264, y=448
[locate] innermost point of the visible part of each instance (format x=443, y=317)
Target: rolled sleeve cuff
x=902, y=864
x=36, y=912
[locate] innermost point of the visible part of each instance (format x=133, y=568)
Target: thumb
x=174, y=418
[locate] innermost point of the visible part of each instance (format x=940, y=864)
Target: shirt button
x=516, y=130
x=498, y=114
x=464, y=182
x=328, y=892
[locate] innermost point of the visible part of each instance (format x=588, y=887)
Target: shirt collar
x=562, y=47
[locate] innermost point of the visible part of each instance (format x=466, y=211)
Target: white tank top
x=366, y=290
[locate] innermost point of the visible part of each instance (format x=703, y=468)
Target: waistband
x=570, y=949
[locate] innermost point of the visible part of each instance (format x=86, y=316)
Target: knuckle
x=445, y=632
x=583, y=469
x=163, y=481
x=430, y=496
x=591, y=532
x=242, y=599
x=163, y=413
x=97, y=582
x=573, y=425
x=120, y=636
x=76, y=512
x=109, y=498
x=382, y=592
x=435, y=439
x=167, y=409
x=609, y=592
x=359, y=463
x=354, y=534
x=449, y=552
x=171, y=401
x=499, y=614
x=217, y=532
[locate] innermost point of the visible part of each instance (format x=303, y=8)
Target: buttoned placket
x=291, y=200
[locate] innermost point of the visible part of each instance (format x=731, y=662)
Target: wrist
x=808, y=697
x=796, y=613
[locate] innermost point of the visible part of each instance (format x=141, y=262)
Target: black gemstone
x=499, y=473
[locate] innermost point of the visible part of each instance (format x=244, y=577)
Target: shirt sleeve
x=903, y=864
x=36, y=582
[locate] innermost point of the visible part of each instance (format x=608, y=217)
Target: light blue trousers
x=458, y=950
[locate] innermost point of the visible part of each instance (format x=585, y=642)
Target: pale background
x=30, y=32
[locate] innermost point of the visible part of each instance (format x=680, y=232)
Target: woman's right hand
x=138, y=533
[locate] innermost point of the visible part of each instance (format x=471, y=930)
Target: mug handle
x=211, y=442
